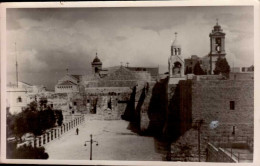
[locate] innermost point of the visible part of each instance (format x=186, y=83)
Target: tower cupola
x=96, y=65
x=176, y=46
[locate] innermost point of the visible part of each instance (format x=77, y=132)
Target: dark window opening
x=19, y=99
x=232, y=105
x=96, y=70
x=75, y=103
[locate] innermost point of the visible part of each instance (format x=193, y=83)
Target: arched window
x=176, y=68
x=175, y=51
x=19, y=99
x=96, y=69
x=179, y=51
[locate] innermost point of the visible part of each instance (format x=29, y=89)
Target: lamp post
x=91, y=142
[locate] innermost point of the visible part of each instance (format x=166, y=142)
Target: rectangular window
x=232, y=105
x=75, y=103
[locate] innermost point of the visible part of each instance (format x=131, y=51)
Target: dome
x=97, y=61
x=217, y=27
x=176, y=43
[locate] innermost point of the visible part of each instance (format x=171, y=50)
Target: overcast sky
x=51, y=40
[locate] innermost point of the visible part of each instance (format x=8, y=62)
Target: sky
x=50, y=40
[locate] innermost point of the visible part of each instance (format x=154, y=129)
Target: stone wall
x=241, y=76
x=211, y=102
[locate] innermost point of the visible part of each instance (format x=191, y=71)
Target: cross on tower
x=217, y=21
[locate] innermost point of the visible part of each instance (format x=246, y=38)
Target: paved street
x=115, y=141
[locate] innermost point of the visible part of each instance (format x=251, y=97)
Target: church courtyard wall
x=227, y=110
x=213, y=101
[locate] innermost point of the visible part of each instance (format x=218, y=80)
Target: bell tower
x=96, y=65
x=217, y=46
x=175, y=62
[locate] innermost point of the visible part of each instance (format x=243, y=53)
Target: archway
x=176, y=69
x=96, y=69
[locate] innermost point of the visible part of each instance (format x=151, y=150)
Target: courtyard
x=115, y=142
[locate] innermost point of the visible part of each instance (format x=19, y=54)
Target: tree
x=198, y=70
x=10, y=124
x=222, y=67
x=43, y=103
x=25, y=152
x=182, y=151
x=32, y=120
x=47, y=119
x=59, y=117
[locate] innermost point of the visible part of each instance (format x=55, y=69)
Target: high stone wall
x=211, y=102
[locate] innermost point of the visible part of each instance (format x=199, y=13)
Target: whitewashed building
x=16, y=99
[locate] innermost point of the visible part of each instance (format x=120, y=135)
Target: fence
x=215, y=154
x=239, y=156
x=238, y=149
x=53, y=133
x=228, y=140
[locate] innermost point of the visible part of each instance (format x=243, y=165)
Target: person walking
x=77, y=131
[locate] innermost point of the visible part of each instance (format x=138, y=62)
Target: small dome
x=176, y=43
x=217, y=27
x=96, y=61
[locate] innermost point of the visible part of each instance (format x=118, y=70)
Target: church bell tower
x=175, y=62
x=217, y=46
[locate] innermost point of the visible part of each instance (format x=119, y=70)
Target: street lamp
x=91, y=142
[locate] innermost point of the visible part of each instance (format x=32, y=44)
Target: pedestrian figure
x=77, y=131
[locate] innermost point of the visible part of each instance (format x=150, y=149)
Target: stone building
x=68, y=84
x=103, y=92
x=16, y=99
x=154, y=71
x=190, y=63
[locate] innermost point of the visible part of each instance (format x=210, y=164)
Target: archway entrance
x=176, y=69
